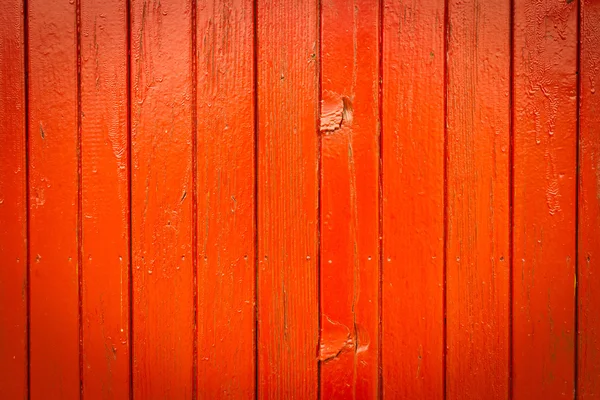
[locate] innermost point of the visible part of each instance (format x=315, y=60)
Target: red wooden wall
x=299, y=199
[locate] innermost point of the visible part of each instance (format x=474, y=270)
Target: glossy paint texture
x=545, y=144
x=413, y=199
x=478, y=194
x=287, y=189
x=588, y=362
x=161, y=177
x=104, y=199
x=299, y=199
x=349, y=128
x=13, y=203
x=226, y=199
x=54, y=249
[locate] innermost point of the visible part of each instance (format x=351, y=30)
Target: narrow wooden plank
x=288, y=313
x=105, y=199
x=478, y=215
x=13, y=203
x=413, y=199
x=53, y=174
x=226, y=175
x=350, y=199
x=588, y=363
x=545, y=52
x=161, y=146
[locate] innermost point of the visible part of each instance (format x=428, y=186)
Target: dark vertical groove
x=319, y=184
x=577, y=183
x=129, y=198
x=27, y=217
x=255, y=110
x=79, y=197
x=511, y=191
x=194, y=201
x=445, y=251
x=380, y=199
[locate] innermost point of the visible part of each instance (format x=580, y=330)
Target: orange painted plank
x=288, y=313
x=105, y=199
x=13, y=204
x=545, y=125
x=226, y=178
x=53, y=173
x=588, y=384
x=350, y=199
x=413, y=199
x=478, y=214
x=161, y=187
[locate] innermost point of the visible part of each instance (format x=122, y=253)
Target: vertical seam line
x=79, y=197
x=445, y=212
x=129, y=197
x=27, y=193
x=255, y=111
x=380, y=199
x=194, y=201
x=511, y=182
x=577, y=194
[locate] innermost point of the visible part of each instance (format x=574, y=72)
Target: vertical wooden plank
x=226, y=175
x=413, y=199
x=545, y=95
x=589, y=205
x=350, y=199
x=105, y=199
x=478, y=219
x=163, y=307
x=53, y=174
x=13, y=203
x=288, y=313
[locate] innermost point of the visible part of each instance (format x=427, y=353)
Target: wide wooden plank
x=349, y=199
x=588, y=363
x=54, y=200
x=105, y=199
x=13, y=203
x=225, y=187
x=161, y=179
x=478, y=219
x=288, y=313
x=545, y=125
x=413, y=199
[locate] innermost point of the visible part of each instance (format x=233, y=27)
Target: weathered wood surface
x=282, y=199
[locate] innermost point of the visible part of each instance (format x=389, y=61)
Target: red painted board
x=225, y=187
x=349, y=259
x=588, y=362
x=413, y=199
x=53, y=191
x=105, y=199
x=545, y=143
x=161, y=209
x=287, y=111
x=13, y=203
x=478, y=193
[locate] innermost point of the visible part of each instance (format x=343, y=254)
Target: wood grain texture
x=545, y=124
x=478, y=219
x=288, y=313
x=588, y=363
x=53, y=189
x=226, y=179
x=13, y=203
x=162, y=227
x=105, y=199
x=413, y=199
x=349, y=259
